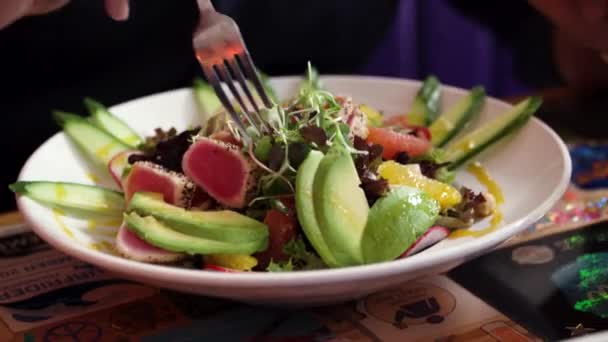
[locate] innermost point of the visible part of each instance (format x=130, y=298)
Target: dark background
x=53, y=61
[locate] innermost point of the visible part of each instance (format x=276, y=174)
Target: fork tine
x=227, y=78
x=213, y=79
x=233, y=66
x=247, y=64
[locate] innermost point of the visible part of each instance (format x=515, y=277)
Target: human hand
x=580, y=41
x=584, y=21
x=13, y=10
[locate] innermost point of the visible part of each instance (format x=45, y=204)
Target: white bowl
x=533, y=168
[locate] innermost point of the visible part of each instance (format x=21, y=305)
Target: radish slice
x=117, y=165
x=429, y=238
x=218, y=269
x=133, y=247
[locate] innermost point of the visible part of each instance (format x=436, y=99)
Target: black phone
x=555, y=286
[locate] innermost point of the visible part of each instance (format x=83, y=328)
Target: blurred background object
x=53, y=61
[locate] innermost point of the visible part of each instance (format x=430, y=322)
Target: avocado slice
x=224, y=225
x=305, y=207
x=158, y=234
x=340, y=206
x=396, y=221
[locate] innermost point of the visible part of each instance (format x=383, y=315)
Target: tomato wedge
x=394, y=142
x=397, y=120
x=282, y=229
x=401, y=121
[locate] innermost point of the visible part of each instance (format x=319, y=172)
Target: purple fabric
x=430, y=37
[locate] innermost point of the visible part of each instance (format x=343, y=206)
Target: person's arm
x=13, y=10
x=580, y=40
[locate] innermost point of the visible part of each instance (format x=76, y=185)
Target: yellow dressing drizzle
x=486, y=180
x=103, y=246
x=104, y=151
x=482, y=176
x=92, y=226
x=57, y=213
x=131, y=139
x=441, y=125
x=466, y=146
x=60, y=192
x=93, y=177
x=109, y=247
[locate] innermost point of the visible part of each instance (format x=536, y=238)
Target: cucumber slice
x=73, y=199
x=453, y=120
x=102, y=118
x=207, y=101
x=98, y=145
x=462, y=150
x=426, y=104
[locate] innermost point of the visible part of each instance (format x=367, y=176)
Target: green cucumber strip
x=102, y=118
x=221, y=225
x=159, y=234
x=207, y=101
x=98, y=145
x=73, y=199
x=461, y=151
x=455, y=118
x=426, y=104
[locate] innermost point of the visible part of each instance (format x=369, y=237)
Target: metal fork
x=220, y=50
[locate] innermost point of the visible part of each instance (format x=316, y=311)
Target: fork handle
x=205, y=6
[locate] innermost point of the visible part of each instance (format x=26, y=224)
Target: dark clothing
x=53, y=61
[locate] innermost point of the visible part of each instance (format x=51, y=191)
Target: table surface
x=10, y=218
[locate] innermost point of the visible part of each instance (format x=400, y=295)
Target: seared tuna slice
x=149, y=177
x=220, y=169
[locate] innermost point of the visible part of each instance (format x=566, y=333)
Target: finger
x=45, y=6
x=118, y=9
x=593, y=10
x=12, y=10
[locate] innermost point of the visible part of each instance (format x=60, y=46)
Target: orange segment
x=410, y=175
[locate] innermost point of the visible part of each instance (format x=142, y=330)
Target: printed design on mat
x=412, y=304
x=73, y=298
x=532, y=255
x=39, y=286
x=74, y=331
x=584, y=283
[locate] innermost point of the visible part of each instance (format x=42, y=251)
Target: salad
x=327, y=182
